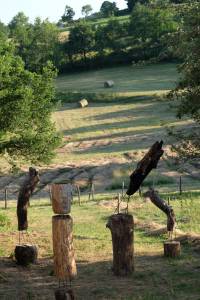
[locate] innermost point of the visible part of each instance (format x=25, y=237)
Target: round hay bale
x=83, y=103
x=108, y=84
x=26, y=254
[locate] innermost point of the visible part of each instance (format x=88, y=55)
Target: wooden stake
x=123, y=189
x=180, y=185
x=64, y=261
x=6, y=197
x=79, y=195
x=121, y=227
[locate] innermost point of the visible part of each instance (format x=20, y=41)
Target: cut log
x=63, y=250
x=122, y=231
x=83, y=103
x=144, y=167
x=162, y=205
x=62, y=195
x=62, y=294
x=26, y=254
x=25, y=193
x=109, y=84
x=172, y=249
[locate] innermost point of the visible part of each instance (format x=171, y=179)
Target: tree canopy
x=108, y=9
x=26, y=103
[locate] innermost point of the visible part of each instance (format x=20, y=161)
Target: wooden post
x=172, y=249
x=61, y=198
x=64, y=261
x=122, y=231
x=6, y=198
x=79, y=194
x=91, y=192
x=180, y=185
x=123, y=189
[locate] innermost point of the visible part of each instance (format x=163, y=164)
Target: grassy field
x=144, y=79
x=154, y=277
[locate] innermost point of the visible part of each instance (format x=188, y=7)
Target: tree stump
x=62, y=195
x=64, y=261
x=172, y=249
x=26, y=254
x=122, y=231
x=62, y=294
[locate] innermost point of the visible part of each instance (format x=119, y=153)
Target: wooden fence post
x=180, y=185
x=6, y=198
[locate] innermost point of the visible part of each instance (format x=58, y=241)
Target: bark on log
x=25, y=193
x=64, y=261
x=122, y=231
x=162, y=205
x=172, y=249
x=26, y=254
x=144, y=167
x=62, y=294
x=62, y=195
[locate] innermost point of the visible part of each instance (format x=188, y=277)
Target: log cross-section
x=144, y=167
x=25, y=193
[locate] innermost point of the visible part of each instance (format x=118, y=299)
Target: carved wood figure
x=25, y=193
x=167, y=209
x=144, y=167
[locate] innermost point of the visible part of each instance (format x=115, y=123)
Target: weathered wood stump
x=122, y=231
x=64, y=261
x=172, y=249
x=26, y=254
x=62, y=294
x=62, y=195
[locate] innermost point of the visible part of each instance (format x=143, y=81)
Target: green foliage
x=81, y=38
x=188, y=88
x=26, y=103
x=86, y=10
x=68, y=14
x=131, y=3
x=108, y=9
x=4, y=221
x=151, y=23
x=36, y=43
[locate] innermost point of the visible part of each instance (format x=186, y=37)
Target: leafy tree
x=81, y=38
x=108, y=36
x=151, y=23
x=187, y=92
x=43, y=45
x=86, y=10
x=3, y=31
x=26, y=103
x=19, y=32
x=108, y=9
x=68, y=14
x=131, y=3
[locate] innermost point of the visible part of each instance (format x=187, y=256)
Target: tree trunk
x=162, y=205
x=122, y=229
x=144, y=167
x=172, y=249
x=62, y=195
x=25, y=193
x=26, y=254
x=64, y=261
